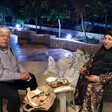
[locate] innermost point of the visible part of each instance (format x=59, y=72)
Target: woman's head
x=107, y=40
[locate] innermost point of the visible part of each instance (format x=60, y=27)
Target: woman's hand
x=93, y=78
x=83, y=70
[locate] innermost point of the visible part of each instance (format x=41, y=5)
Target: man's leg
x=21, y=84
x=11, y=93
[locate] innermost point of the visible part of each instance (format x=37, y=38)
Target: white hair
x=4, y=29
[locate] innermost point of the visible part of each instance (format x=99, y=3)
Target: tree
x=4, y=9
x=58, y=10
x=80, y=7
x=34, y=9
x=10, y=8
x=100, y=10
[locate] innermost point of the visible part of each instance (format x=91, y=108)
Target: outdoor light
x=69, y=36
x=17, y=26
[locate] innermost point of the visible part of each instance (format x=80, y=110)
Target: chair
x=0, y=104
x=107, y=92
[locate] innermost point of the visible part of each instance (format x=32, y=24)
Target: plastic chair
x=0, y=104
x=107, y=92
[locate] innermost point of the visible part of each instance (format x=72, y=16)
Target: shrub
x=87, y=27
x=91, y=41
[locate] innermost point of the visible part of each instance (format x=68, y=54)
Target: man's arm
x=21, y=69
x=6, y=75
x=23, y=74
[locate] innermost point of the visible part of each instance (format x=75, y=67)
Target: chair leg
x=101, y=106
x=0, y=104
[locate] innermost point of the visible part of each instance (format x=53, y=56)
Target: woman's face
x=107, y=41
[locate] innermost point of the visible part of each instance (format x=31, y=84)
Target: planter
x=40, y=38
x=71, y=44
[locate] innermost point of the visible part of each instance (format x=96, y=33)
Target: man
x=12, y=74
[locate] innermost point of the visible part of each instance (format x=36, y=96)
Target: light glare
x=69, y=36
x=17, y=26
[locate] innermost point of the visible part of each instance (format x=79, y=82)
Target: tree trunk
x=36, y=22
x=59, y=34
x=4, y=22
x=22, y=24
x=106, y=20
x=82, y=21
x=78, y=21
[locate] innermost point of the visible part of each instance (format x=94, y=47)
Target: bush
x=91, y=41
x=87, y=27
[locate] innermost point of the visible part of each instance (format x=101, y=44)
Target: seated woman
x=94, y=75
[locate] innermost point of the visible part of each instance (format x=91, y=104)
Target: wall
x=66, y=31
x=57, y=42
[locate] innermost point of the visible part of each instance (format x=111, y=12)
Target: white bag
x=72, y=76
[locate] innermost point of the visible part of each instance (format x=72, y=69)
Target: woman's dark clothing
x=90, y=93
x=102, y=62
x=9, y=90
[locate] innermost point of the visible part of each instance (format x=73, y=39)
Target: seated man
x=12, y=74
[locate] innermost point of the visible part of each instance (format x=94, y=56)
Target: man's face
x=4, y=39
x=107, y=41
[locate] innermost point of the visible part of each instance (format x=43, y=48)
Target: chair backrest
x=107, y=92
x=108, y=89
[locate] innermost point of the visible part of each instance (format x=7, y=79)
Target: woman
x=94, y=75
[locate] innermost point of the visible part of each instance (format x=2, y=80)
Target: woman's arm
x=86, y=68
x=105, y=77
x=93, y=78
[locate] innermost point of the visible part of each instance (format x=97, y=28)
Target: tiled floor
x=27, y=51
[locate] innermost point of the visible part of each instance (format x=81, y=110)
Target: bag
x=72, y=76
x=42, y=98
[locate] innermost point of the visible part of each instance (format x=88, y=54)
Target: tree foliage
x=34, y=9
x=80, y=8
x=58, y=9
x=99, y=10
x=52, y=10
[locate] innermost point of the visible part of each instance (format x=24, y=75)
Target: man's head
x=4, y=37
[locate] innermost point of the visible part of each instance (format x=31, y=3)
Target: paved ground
x=27, y=51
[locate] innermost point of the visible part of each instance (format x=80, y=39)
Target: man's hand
x=83, y=70
x=93, y=78
x=25, y=76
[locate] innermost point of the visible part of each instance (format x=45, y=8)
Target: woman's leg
x=80, y=90
x=11, y=93
x=92, y=98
